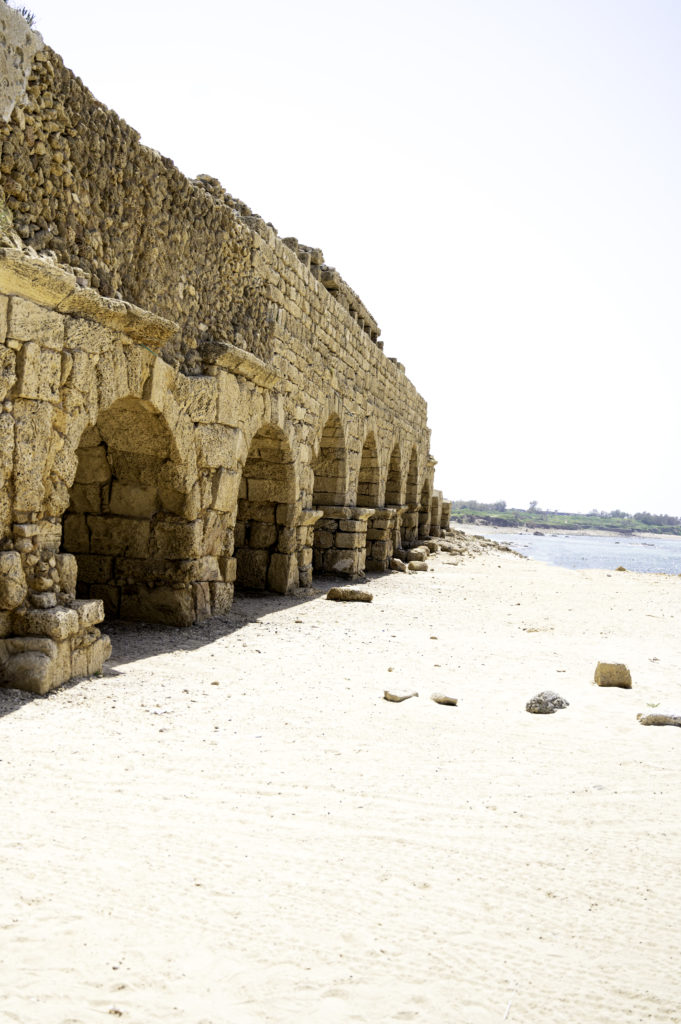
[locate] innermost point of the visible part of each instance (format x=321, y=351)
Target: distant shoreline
x=472, y=528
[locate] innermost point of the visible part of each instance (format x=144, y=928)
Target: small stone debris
x=546, y=703
x=398, y=564
x=660, y=718
x=612, y=674
x=417, y=566
x=442, y=698
x=397, y=696
x=620, y=568
x=432, y=546
x=419, y=554
x=347, y=594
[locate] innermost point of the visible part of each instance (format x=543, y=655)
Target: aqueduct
x=189, y=402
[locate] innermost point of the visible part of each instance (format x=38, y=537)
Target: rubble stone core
x=187, y=402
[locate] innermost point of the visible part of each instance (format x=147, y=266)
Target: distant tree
x=533, y=506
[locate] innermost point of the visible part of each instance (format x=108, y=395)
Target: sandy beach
x=231, y=825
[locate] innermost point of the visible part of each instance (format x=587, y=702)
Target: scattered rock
x=417, y=566
x=396, y=696
x=612, y=674
x=398, y=564
x=347, y=594
x=620, y=568
x=442, y=698
x=432, y=546
x=418, y=554
x=660, y=718
x=546, y=703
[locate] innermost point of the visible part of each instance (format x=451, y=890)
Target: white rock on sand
x=284, y=847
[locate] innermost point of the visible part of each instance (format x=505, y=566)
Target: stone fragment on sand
x=546, y=703
x=396, y=696
x=660, y=718
x=612, y=674
x=418, y=554
x=417, y=566
x=398, y=564
x=432, y=546
x=347, y=594
x=442, y=698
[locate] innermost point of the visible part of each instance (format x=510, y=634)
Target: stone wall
x=189, y=402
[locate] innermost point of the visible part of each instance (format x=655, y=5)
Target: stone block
x=202, y=604
x=380, y=550
x=97, y=654
x=57, y=623
x=225, y=490
x=67, y=570
x=349, y=540
x=304, y=558
x=33, y=434
x=262, y=535
x=323, y=539
x=8, y=373
x=612, y=674
x=31, y=671
x=29, y=322
x=86, y=498
x=264, y=490
x=221, y=597
x=93, y=466
x=177, y=539
x=13, y=588
x=252, y=568
x=287, y=540
x=282, y=574
x=352, y=526
x=228, y=568
x=158, y=604
x=115, y=535
x=89, y=612
x=263, y=512
x=134, y=500
x=345, y=563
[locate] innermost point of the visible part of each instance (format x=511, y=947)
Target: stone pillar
x=306, y=530
x=445, y=515
x=47, y=635
x=435, y=513
x=340, y=540
x=410, y=526
x=382, y=527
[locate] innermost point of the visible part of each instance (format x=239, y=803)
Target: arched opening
x=367, y=483
x=393, y=485
x=424, y=512
x=330, y=466
x=265, y=536
x=126, y=522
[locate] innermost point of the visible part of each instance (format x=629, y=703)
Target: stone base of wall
x=52, y=645
x=340, y=540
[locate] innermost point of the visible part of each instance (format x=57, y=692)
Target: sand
x=231, y=825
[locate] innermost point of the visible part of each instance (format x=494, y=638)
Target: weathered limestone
x=188, y=403
x=612, y=674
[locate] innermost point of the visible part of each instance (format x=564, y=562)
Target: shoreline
x=231, y=823
x=548, y=531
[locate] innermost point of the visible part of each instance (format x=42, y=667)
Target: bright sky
x=497, y=179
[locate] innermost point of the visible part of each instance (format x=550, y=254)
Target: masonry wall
x=189, y=402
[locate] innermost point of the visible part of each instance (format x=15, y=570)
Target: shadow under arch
x=393, y=484
x=130, y=521
x=265, y=536
x=330, y=466
x=368, y=477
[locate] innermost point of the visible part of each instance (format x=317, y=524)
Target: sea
x=651, y=553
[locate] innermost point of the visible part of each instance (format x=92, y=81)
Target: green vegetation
x=497, y=514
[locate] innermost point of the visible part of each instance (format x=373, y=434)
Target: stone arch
x=265, y=534
x=369, y=473
x=330, y=465
x=393, y=484
x=132, y=521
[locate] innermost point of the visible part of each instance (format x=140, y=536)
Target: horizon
x=499, y=186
